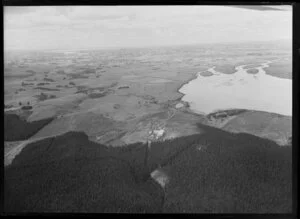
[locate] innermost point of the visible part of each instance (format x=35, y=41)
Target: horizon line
x=145, y=47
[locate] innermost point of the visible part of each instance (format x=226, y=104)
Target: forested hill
x=213, y=172
x=17, y=129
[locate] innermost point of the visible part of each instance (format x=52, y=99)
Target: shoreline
x=187, y=104
x=195, y=76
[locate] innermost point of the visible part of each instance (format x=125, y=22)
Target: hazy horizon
x=114, y=27
x=282, y=41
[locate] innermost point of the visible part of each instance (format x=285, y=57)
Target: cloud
x=97, y=13
x=17, y=10
x=263, y=8
x=92, y=26
x=34, y=17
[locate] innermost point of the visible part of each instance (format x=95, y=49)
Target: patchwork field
x=119, y=101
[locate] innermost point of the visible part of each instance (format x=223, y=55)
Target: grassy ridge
x=16, y=129
x=231, y=173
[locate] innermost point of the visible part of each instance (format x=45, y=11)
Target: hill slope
x=217, y=172
x=16, y=129
x=220, y=172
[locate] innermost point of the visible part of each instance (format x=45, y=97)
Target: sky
x=87, y=27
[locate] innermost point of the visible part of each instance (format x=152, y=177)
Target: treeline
x=45, y=96
x=17, y=129
x=225, y=113
x=213, y=172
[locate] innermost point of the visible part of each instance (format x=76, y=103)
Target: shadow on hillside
x=230, y=173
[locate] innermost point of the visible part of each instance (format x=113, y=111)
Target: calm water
x=240, y=90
